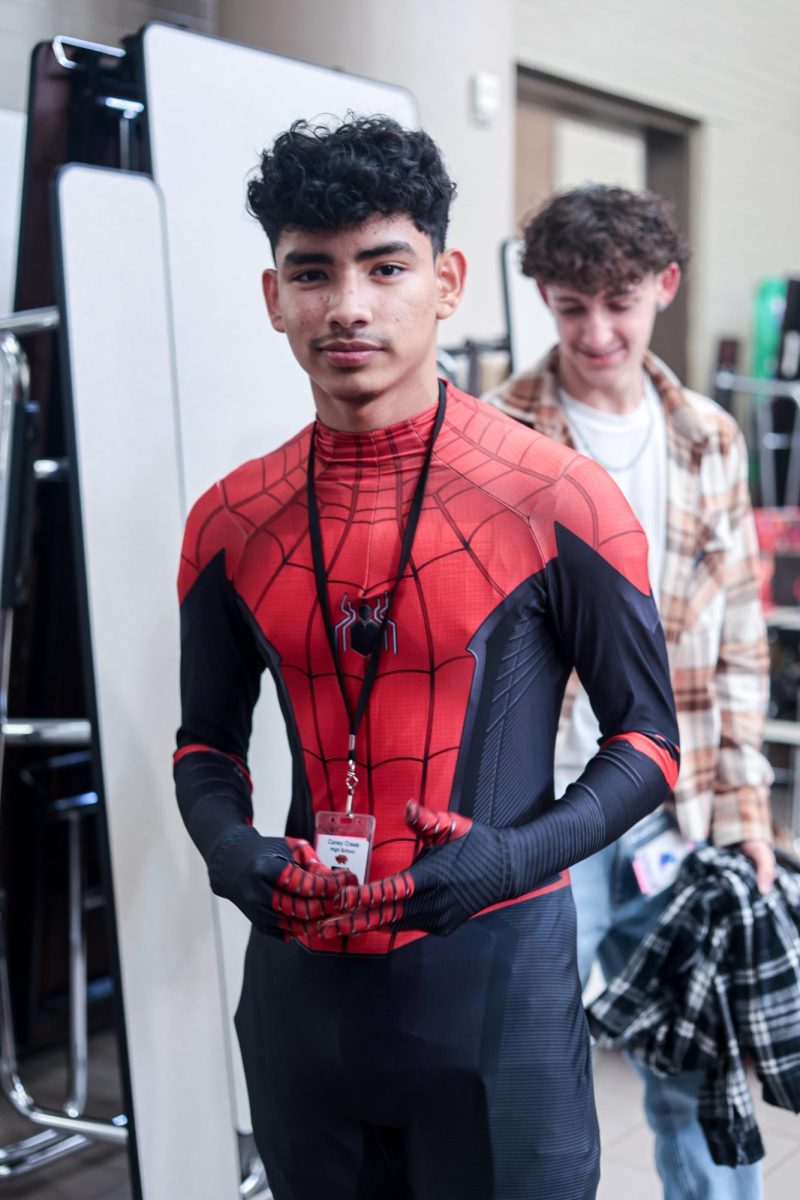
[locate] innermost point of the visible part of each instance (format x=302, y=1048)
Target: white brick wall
x=23, y=23
x=732, y=65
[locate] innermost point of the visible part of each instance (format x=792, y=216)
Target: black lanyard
x=355, y=715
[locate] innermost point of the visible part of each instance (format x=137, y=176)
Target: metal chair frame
x=763, y=392
x=67, y=1130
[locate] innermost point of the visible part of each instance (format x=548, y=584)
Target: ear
x=667, y=283
x=269, y=284
x=543, y=293
x=451, y=275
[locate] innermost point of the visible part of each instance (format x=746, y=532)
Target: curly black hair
x=598, y=237
x=318, y=178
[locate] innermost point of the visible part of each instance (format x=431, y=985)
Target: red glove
x=426, y=895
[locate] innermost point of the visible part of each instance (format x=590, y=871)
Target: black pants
x=454, y=1068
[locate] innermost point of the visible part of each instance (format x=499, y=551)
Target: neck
x=366, y=413
x=622, y=394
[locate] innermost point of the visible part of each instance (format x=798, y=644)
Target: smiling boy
x=419, y=574
x=606, y=261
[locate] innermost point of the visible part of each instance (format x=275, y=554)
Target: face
x=360, y=306
x=603, y=337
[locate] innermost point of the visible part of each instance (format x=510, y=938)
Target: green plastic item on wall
x=768, y=318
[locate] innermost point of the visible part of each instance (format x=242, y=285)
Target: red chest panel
x=469, y=553
x=494, y=498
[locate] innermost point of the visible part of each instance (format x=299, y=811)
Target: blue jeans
x=613, y=917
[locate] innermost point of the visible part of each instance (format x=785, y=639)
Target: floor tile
x=778, y=1150
x=96, y=1172
x=635, y=1149
x=776, y=1120
x=784, y=1182
x=620, y=1182
x=618, y=1118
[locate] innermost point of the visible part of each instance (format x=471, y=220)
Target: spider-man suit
x=457, y=1065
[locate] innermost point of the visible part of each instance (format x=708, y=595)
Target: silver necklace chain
x=616, y=469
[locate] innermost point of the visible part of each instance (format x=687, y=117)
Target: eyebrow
x=386, y=248
x=622, y=293
x=303, y=258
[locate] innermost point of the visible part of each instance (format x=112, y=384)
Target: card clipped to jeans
x=656, y=862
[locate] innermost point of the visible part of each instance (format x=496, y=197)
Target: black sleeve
x=220, y=679
x=608, y=624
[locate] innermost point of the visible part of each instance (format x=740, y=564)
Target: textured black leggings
x=452, y=1068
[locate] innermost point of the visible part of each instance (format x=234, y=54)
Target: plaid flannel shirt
x=717, y=978
x=709, y=602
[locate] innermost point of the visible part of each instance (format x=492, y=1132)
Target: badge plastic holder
x=344, y=841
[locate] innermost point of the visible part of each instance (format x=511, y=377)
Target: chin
x=352, y=388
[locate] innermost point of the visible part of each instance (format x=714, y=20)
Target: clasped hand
x=453, y=876
x=281, y=885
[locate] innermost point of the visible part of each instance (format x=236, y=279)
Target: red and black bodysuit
x=527, y=562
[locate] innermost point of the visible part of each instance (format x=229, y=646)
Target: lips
x=349, y=353
x=600, y=359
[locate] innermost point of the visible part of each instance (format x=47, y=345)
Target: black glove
x=279, y=884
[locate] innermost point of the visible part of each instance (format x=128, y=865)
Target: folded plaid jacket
x=717, y=979
x=709, y=602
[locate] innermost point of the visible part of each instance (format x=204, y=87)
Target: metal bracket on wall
x=73, y=64
x=127, y=109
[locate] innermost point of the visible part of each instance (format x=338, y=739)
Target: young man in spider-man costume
x=419, y=1033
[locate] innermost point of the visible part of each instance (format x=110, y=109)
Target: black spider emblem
x=360, y=626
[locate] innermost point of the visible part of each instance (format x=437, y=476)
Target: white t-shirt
x=632, y=447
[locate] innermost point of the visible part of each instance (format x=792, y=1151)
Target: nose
x=597, y=332
x=348, y=305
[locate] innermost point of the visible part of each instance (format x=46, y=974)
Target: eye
x=310, y=275
x=389, y=270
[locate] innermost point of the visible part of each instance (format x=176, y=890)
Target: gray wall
x=732, y=65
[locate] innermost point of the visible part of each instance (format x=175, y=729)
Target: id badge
x=656, y=863
x=344, y=840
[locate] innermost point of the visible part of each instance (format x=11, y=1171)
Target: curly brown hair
x=317, y=178
x=598, y=237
